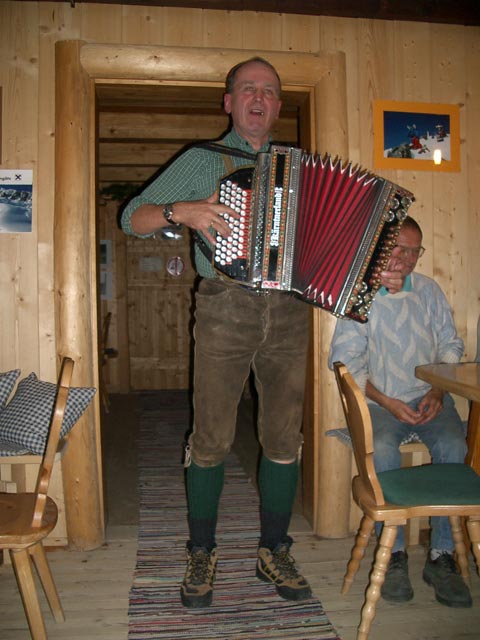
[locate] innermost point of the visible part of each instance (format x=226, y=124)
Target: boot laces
x=398, y=561
x=199, y=563
x=446, y=561
x=285, y=562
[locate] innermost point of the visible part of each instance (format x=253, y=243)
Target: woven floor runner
x=243, y=607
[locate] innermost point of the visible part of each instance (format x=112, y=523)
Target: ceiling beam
x=464, y=12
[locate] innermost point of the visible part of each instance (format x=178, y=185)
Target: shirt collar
x=244, y=145
x=407, y=286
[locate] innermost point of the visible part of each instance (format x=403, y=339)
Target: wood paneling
x=384, y=59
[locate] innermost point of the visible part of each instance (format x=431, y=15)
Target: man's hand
x=428, y=408
x=403, y=412
x=430, y=405
x=202, y=215
x=205, y=216
x=391, y=278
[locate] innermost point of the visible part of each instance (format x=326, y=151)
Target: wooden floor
x=94, y=589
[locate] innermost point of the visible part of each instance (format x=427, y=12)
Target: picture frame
x=16, y=198
x=411, y=135
x=105, y=254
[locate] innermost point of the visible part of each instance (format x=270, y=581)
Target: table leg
x=473, y=437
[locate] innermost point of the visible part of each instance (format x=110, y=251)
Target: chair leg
x=361, y=543
x=473, y=526
x=43, y=569
x=460, y=548
x=377, y=578
x=26, y=585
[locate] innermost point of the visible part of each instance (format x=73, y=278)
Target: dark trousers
x=237, y=330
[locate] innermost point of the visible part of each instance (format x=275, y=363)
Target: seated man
x=410, y=323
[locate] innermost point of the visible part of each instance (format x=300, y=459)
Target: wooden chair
x=393, y=497
x=413, y=453
x=27, y=518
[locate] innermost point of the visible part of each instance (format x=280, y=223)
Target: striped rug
x=243, y=608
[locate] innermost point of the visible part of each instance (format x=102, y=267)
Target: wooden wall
x=384, y=60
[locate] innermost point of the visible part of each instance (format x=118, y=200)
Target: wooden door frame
x=78, y=67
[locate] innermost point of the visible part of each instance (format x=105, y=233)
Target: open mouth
x=257, y=112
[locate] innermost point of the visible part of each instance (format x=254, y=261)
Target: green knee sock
x=204, y=488
x=278, y=486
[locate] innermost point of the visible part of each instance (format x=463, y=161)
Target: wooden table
x=462, y=379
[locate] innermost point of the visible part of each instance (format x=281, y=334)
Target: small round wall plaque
x=175, y=266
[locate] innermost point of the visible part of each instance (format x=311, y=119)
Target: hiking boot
x=450, y=588
x=397, y=586
x=278, y=567
x=197, y=586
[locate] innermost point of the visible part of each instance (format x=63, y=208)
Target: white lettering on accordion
x=277, y=216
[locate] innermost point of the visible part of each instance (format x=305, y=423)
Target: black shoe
x=450, y=588
x=197, y=586
x=278, y=567
x=397, y=586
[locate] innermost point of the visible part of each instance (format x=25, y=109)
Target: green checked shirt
x=194, y=175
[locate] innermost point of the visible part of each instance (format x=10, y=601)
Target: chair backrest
x=105, y=331
x=477, y=357
x=359, y=424
x=46, y=467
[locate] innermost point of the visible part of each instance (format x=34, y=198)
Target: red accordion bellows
x=312, y=226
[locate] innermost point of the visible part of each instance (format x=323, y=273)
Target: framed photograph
x=16, y=192
x=418, y=136
x=106, y=254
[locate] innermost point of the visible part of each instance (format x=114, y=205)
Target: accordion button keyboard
x=231, y=252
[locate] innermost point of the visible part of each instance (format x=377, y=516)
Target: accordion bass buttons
x=230, y=253
x=397, y=207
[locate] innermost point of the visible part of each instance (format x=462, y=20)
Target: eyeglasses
x=415, y=252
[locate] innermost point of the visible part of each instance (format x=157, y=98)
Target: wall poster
x=416, y=135
x=15, y=200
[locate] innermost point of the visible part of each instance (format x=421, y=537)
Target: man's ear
x=227, y=103
x=279, y=107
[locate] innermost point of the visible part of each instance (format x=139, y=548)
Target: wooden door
x=160, y=283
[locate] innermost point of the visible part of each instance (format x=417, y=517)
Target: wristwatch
x=168, y=213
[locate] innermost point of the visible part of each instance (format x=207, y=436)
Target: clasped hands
x=428, y=408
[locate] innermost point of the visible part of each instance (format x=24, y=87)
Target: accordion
x=312, y=226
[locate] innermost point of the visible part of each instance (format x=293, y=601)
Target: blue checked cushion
x=7, y=449
x=26, y=418
x=7, y=382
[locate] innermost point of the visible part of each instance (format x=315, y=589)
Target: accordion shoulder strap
x=219, y=147
x=228, y=162
x=203, y=246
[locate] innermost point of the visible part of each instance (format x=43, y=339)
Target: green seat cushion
x=434, y=484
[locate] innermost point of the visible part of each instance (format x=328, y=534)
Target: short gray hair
x=230, y=79
x=411, y=223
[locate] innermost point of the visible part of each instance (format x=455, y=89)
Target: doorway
x=146, y=285
x=80, y=67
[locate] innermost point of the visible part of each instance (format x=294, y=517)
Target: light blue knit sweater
x=404, y=330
